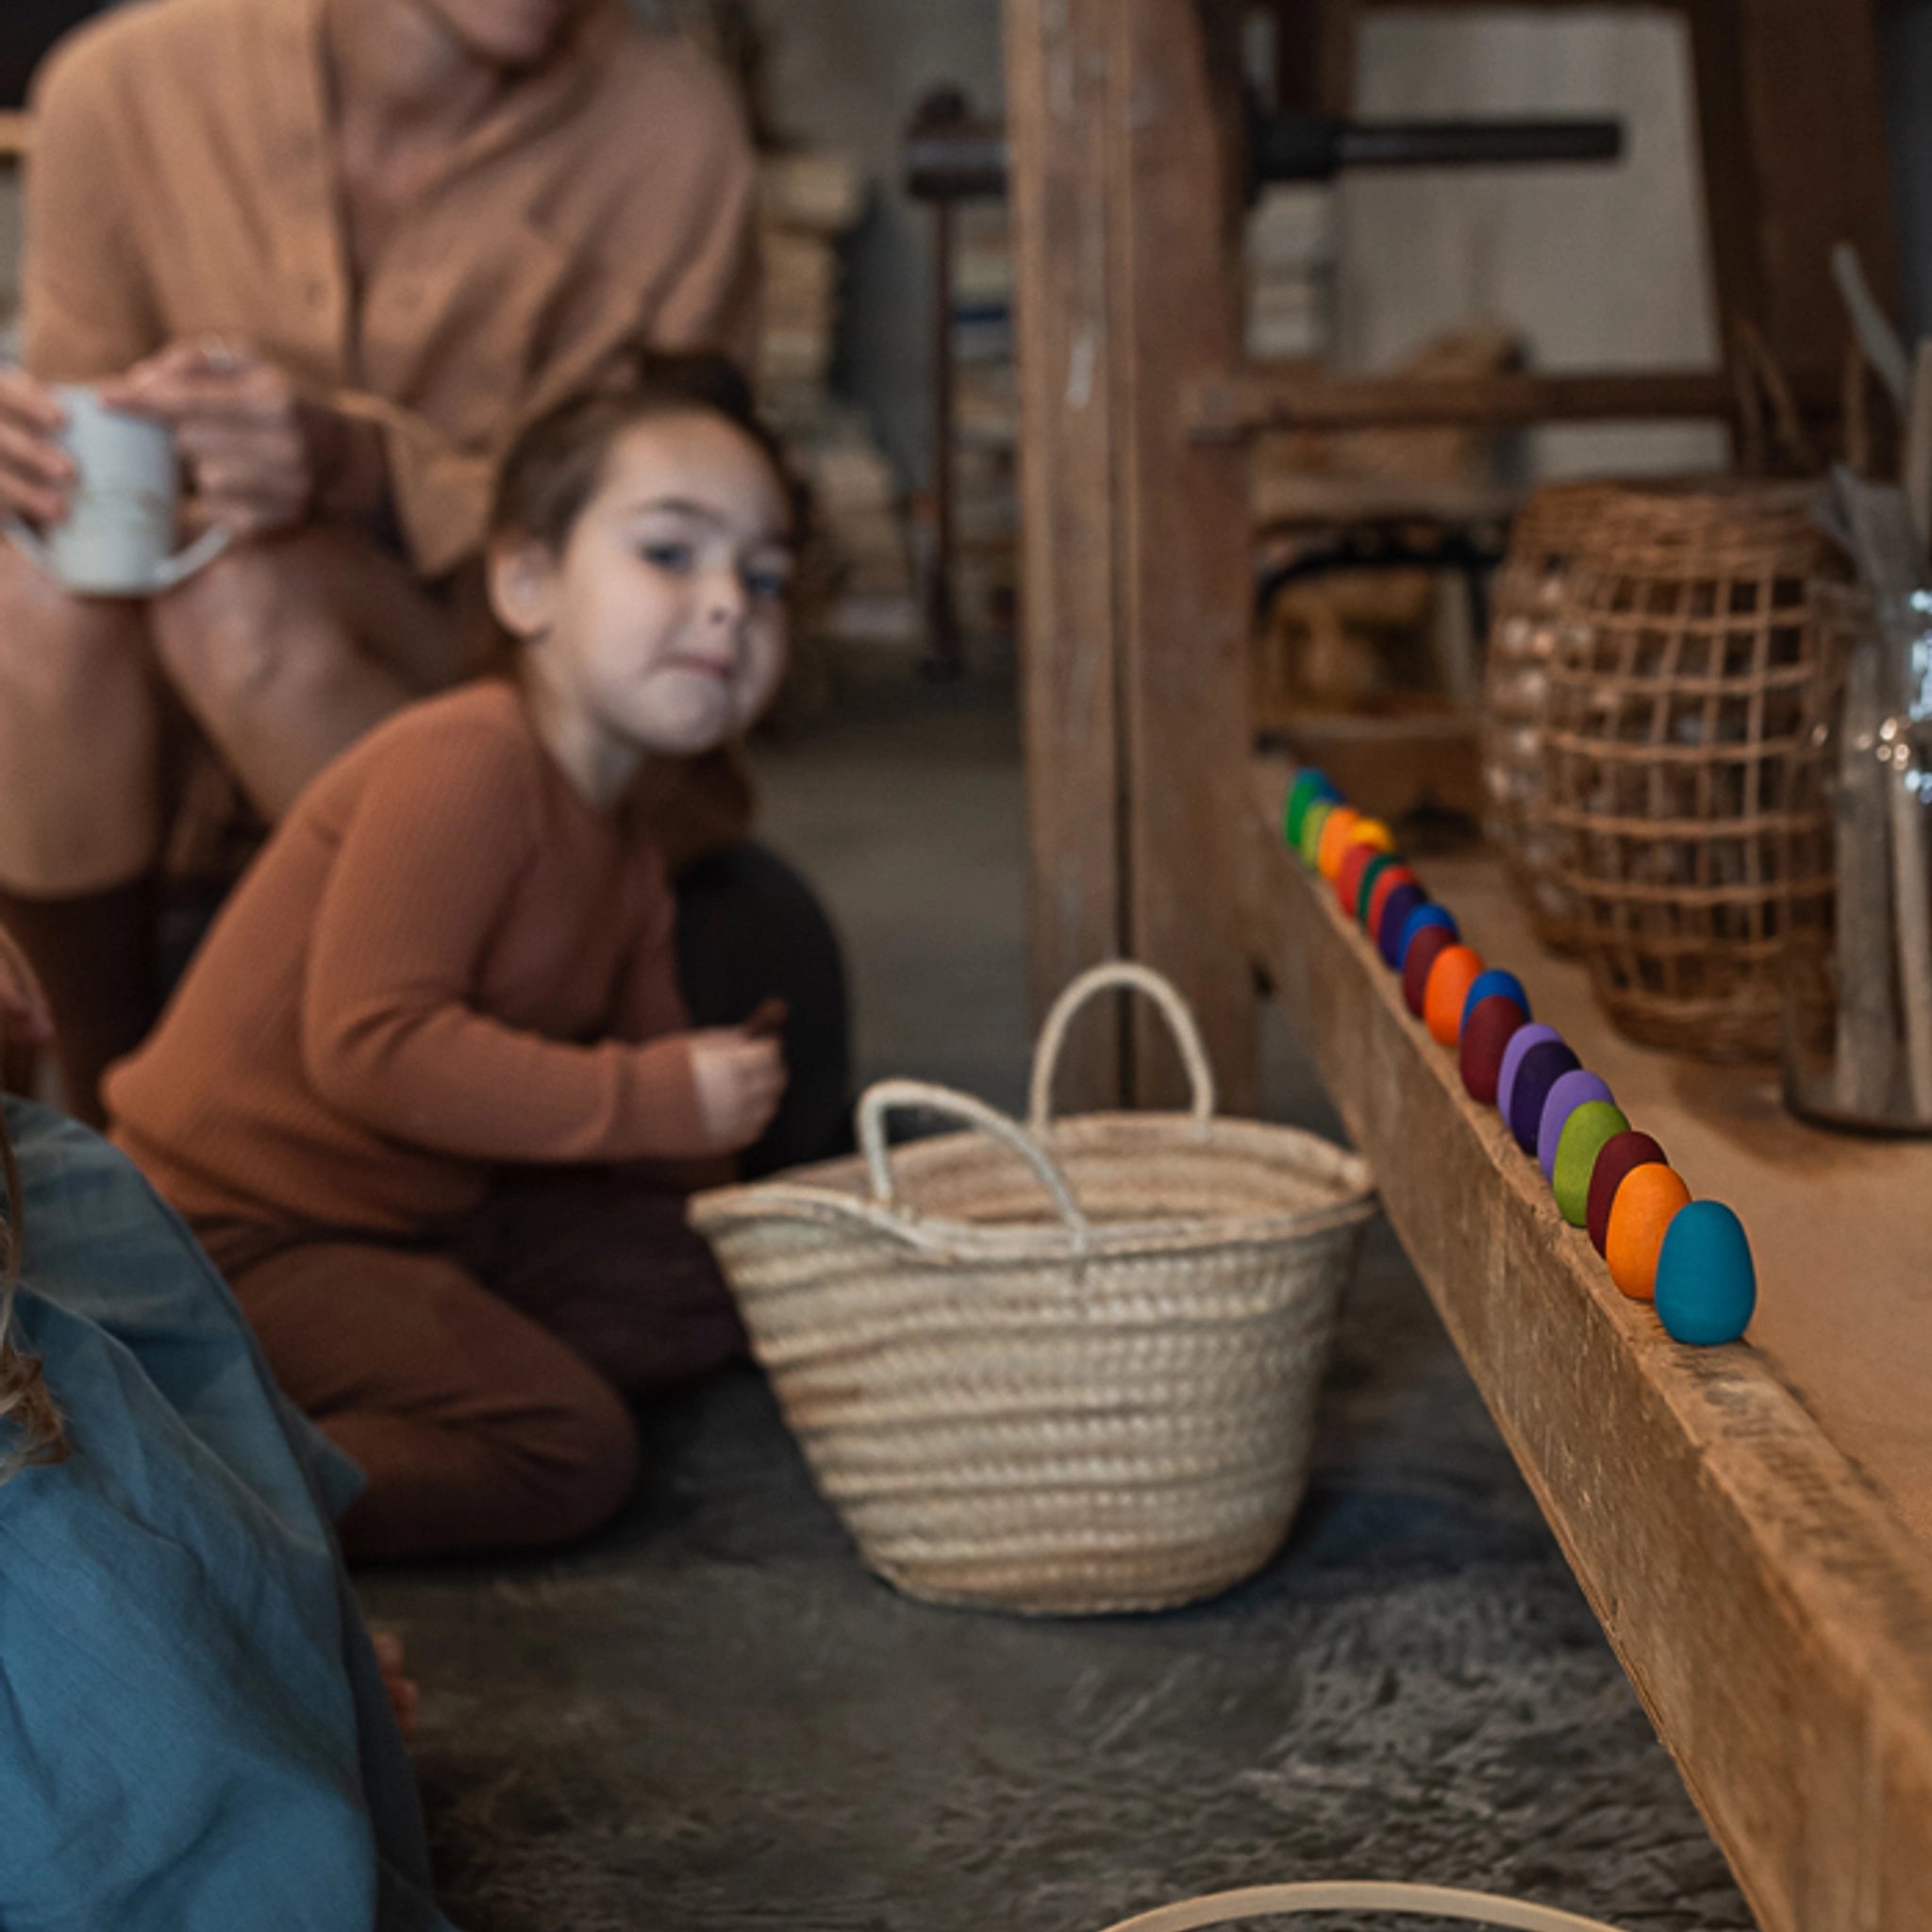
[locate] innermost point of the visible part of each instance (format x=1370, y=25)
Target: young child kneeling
x=425, y=1092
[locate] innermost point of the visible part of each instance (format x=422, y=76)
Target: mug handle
x=184, y=563
x=169, y=572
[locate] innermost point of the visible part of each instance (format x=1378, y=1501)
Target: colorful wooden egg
x=1375, y=893
x=1645, y=1206
x=1428, y=914
x=1348, y=875
x=1486, y=1027
x=1455, y=972
x=1566, y=1094
x=1396, y=909
x=1373, y=832
x=1312, y=821
x=1706, y=1287
x=1541, y=1067
x=1618, y=1156
x=1428, y=947
x=1496, y=980
x=1585, y=1134
x=1309, y=785
x=1520, y=1043
x=1332, y=846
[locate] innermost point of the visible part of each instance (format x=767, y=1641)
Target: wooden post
x=1136, y=544
x=1057, y=105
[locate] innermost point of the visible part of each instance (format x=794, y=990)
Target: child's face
x=663, y=622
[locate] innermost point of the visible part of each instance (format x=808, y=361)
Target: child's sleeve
x=421, y=882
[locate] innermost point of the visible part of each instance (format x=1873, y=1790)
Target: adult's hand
x=34, y=472
x=249, y=438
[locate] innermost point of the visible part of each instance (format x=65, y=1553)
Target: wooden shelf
x=1752, y=1524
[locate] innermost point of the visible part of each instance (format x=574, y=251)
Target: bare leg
x=80, y=814
x=79, y=739
x=286, y=651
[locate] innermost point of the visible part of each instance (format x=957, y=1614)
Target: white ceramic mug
x=117, y=537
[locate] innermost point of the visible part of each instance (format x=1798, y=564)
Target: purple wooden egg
x=1535, y=1034
x=1541, y=1067
x=1566, y=1094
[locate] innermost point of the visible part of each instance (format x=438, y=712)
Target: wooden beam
x=1242, y=402
x=1772, y=1608
x=1174, y=198
x=1135, y=545
x=1056, y=103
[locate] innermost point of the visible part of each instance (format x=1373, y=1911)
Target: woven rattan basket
x=1554, y=527
x=1682, y=751
x=1066, y=1368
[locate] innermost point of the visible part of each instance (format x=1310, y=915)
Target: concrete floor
x=712, y=1717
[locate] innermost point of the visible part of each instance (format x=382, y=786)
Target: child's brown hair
x=553, y=466
x=29, y=1423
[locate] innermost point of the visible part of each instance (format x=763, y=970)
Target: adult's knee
x=222, y=633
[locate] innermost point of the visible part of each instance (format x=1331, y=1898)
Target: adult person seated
x=198, y=1731
x=343, y=247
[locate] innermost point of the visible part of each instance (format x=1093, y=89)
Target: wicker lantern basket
x=1683, y=759
x=1552, y=529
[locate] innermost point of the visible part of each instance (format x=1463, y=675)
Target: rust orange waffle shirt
x=445, y=959
x=184, y=183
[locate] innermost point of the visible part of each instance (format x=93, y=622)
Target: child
x=427, y=1093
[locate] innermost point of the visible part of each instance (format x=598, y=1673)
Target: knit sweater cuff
x=662, y=1116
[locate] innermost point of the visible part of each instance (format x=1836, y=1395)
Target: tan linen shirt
x=184, y=183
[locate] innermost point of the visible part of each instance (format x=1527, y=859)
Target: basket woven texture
x=1553, y=528
x=1065, y=1368
x=1682, y=759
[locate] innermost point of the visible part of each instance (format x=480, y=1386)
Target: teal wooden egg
x=1707, y=1286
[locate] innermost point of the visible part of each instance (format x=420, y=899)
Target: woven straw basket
x=1065, y=1368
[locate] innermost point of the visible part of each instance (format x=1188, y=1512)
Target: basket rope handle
x=1106, y=977
x=884, y=1096
x=1421, y=1901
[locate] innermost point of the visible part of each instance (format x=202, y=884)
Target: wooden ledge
x=1769, y=1602
x=1247, y=401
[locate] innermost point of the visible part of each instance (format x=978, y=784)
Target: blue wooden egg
x=1707, y=1286
x=1493, y=980
x=1423, y=916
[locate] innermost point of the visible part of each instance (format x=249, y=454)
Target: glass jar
x=1858, y=1015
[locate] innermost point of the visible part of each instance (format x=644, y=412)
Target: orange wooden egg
x=1646, y=1204
x=1450, y=978
x=1335, y=841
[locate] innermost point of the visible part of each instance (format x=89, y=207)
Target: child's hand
x=741, y=1079
x=403, y=1694
x=24, y=1013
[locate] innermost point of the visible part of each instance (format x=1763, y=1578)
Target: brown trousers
x=482, y=1382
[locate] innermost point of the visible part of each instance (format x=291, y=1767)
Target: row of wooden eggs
x=1691, y=1258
